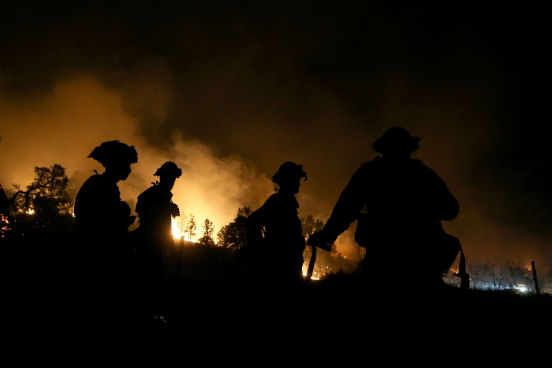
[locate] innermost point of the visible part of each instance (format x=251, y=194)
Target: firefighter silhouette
x=399, y=203
x=102, y=218
x=155, y=210
x=275, y=241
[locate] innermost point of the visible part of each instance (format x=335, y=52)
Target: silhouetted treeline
x=40, y=262
x=234, y=235
x=45, y=206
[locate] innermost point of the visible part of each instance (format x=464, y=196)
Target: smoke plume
x=230, y=92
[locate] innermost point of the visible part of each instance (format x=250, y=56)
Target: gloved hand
x=319, y=240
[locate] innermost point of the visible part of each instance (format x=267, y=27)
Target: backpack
x=449, y=247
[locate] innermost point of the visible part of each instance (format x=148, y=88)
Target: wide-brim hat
x=289, y=170
x=169, y=168
x=396, y=139
x=111, y=152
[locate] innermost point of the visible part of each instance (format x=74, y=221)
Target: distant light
x=521, y=288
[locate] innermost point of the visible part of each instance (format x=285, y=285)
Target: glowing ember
x=4, y=226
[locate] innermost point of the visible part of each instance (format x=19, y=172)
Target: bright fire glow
x=313, y=277
x=176, y=228
x=5, y=225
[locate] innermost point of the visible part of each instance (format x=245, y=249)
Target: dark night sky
x=316, y=82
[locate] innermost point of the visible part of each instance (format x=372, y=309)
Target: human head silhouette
x=288, y=177
x=168, y=172
x=396, y=142
x=116, y=157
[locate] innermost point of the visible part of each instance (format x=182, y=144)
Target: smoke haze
x=229, y=93
x=80, y=113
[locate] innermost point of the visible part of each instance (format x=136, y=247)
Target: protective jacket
x=102, y=221
x=275, y=237
x=399, y=206
x=99, y=210
x=155, y=209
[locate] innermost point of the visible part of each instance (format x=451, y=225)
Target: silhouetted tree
x=191, y=227
x=235, y=233
x=47, y=192
x=208, y=229
x=310, y=225
x=181, y=224
x=46, y=204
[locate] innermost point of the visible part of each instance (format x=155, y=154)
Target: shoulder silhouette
x=98, y=206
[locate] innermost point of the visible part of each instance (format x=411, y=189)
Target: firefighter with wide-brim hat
x=274, y=230
x=396, y=141
x=399, y=203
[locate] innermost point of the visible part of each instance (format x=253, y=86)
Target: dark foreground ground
x=212, y=301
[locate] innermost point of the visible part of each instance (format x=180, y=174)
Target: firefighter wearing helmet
x=98, y=206
x=155, y=209
x=103, y=218
x=399, y=203
x=275, y=240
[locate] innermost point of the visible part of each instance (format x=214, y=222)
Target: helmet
x=169, y=168
x=114, y=152
x=396, y=139
x=289, y=170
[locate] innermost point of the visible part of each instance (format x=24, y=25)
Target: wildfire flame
x=314, y=277
x=176, y=229
x=4, y=225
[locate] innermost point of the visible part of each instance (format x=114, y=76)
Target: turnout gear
x=399, y=203
x=275, y=241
